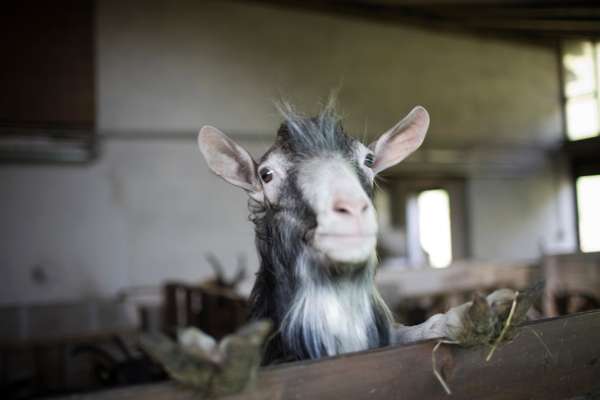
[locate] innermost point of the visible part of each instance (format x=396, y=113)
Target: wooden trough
x=549, y=359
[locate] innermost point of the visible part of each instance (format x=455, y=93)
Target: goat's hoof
x=488, y=320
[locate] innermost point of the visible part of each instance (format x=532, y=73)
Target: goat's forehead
x=280, y=154
x=313, y=136
x=311, y=140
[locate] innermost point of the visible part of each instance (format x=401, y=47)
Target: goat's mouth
x=344, y=236
x=345, y=247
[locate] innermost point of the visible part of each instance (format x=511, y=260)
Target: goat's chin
x=346, y=250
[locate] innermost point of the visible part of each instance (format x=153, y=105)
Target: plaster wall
x=148, y=209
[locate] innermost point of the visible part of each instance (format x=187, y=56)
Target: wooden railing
x=548, y=359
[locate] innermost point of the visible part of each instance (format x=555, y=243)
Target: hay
x=437, y=373
x=507, y=325
x=482, y=325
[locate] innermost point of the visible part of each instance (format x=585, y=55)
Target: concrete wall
x=167, y=66
x=522, y=217
x=148, y=210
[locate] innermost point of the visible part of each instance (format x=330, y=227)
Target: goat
x=310, y=199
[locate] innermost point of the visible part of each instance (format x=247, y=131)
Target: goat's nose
x=350, y=207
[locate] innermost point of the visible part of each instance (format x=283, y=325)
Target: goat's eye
x=369, y=160
x=266, y=175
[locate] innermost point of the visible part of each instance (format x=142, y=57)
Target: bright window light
x=581, y=66
x=580, y=71
x=588, y=207
x=582, y=117
x=434, y=226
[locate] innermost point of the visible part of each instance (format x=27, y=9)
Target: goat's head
x=320, y=178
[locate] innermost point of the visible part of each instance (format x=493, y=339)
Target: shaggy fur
x=319, y=309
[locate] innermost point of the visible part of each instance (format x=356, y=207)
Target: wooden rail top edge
x=557, y=358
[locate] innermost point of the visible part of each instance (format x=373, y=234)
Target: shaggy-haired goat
x=311, y=203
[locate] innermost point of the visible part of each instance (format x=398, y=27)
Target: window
x=434, y=226
x=426, y=223
x=581, y=71
x=588, y=209
x=47, y=110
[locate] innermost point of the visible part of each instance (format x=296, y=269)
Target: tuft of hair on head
x=329, y=119
x=323, y=131
x=327, y=113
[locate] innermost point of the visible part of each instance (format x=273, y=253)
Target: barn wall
x=522, y=217
x=175, y=65
x=148, y=209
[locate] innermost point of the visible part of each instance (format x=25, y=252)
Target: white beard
x=332, y=317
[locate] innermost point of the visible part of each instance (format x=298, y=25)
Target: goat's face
x=319, y=177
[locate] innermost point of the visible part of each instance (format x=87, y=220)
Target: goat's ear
x=400, y=141
x=228, y=159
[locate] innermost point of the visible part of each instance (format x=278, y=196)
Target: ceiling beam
x=517, y=18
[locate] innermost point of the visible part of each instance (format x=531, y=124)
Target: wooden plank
x=549, y=359
x=480, y=18
x=472, y=3
x=396, y=284
x=518, y=11
x=570, y=274
x=532, y=24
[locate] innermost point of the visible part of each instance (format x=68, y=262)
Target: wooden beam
x=534, y=25
x=548, y=359
x=537, y=21
x=554, y=12
x=473, y=3
x=570, y=274
x=396, y=285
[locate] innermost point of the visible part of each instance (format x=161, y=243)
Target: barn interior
x=112, y=224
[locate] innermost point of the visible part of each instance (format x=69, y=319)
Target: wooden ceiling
x=529, y=18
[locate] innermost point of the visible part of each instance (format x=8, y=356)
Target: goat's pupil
x=369, y=160
x=266, y=175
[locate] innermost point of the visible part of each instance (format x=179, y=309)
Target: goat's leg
x=476, y=322
x=433, y=328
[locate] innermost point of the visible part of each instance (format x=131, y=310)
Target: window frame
x=401, y=187
x=583, y=161
x=594, y=172
x=582, y=154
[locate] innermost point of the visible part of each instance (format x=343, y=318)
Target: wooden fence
x=549, y=359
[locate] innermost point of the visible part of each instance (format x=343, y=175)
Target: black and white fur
x=321, y=309
x=311, y=204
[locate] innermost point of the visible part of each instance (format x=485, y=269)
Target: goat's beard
x=335, y=308
x=303, y=291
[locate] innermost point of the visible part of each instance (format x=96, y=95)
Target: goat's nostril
x=341, y=210
x=350, y=208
